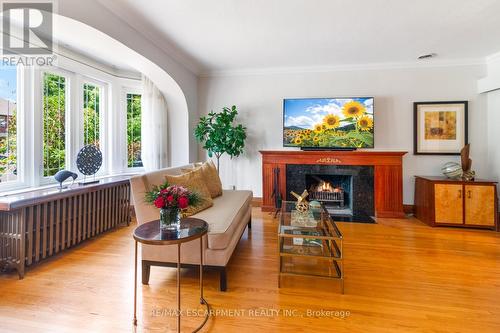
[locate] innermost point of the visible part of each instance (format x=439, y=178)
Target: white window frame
x=40, y=179
x=125, y=92
x=21, y=142
x=103, y=123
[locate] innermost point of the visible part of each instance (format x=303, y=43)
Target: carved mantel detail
x=330, y=160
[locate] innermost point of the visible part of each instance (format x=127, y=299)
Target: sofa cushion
x=141, y=184
x=224, y=217
x=210, y=176
x=193, y=181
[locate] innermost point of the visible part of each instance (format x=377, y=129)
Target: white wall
x=490, y=86
x=492, y=81
x=494, y=135
x=259, y=99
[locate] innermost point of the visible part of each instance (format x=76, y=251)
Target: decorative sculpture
x=452, y=170
x=467, y=173
x=88, y=162
x=302, y=205
x=62, y=175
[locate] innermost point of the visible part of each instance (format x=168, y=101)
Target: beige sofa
x=227, y=220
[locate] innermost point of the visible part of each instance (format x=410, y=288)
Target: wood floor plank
x=400, y=276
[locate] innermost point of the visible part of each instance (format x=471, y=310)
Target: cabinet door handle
x=469, y=194
x=460, y=194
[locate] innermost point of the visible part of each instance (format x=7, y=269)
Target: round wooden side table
x=190, y=229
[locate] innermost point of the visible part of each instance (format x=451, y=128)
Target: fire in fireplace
x=334, y=191
x=324, y=191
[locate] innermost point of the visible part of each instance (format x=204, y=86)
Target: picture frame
x=440, y=128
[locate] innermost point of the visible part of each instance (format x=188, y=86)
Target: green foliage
x=151, y=196
x=8, y=147
x=218, y=134
x=54, y=127
x=134, y=130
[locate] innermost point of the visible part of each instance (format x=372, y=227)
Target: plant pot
x=170, y=218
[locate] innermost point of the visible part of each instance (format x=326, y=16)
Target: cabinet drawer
x=448, y=203
x=480, y=205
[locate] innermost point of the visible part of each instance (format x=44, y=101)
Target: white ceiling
x=226, y=35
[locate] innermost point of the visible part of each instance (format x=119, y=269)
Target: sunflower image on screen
x=328, y=122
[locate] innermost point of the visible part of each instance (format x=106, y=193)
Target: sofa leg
x=250, y=223
x=223, y=280
x=146, y=269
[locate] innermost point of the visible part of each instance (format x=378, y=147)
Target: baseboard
x=256, y=202
x=409, y=209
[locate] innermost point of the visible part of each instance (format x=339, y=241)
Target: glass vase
x=170, y=219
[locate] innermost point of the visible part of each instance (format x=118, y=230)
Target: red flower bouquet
x=171, y=200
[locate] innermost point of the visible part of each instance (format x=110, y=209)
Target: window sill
x=24, y=189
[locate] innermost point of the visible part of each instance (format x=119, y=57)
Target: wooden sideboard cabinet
x=440, y=201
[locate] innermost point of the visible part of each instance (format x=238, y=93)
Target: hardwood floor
x=401, y=276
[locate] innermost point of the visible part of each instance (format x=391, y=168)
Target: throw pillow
x=193, y=182
x=210, y=176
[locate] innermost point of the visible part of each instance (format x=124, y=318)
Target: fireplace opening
x=355, y=183
x=334, y=191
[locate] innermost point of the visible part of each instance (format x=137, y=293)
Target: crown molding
x=354, y=67
x=165, y=46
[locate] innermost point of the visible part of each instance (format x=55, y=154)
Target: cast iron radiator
x=35, y=232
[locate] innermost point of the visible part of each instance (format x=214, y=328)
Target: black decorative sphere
x=89, y=160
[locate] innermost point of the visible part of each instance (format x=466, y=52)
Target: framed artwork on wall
x=440, y=128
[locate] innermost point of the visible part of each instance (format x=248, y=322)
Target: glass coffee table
x=309, y=244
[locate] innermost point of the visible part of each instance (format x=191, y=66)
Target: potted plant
x=171, y=200
x=219, y=135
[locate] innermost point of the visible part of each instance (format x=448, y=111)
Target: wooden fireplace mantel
x=388, y=174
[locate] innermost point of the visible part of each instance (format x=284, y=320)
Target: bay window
x=48, y=114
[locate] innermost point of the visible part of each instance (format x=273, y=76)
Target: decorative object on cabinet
x=440, y=128
x=441, y=201
x=467, y=173
x=88, y=162
x=62, y=175
x=452, y=170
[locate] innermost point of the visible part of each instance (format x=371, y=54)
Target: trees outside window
x=134, y=131
x=54, y=126
x=8, y=123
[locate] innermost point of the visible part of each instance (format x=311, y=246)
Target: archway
x=91, y=39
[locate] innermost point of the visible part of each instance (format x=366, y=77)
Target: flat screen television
x=328, y=123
